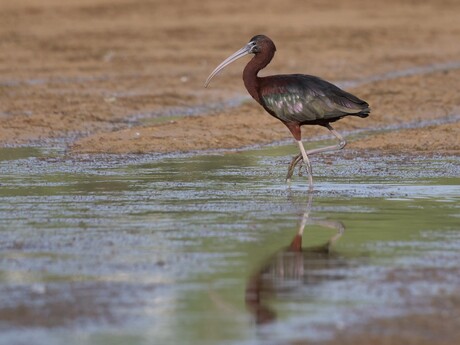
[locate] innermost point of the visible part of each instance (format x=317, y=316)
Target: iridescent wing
x=303, y=99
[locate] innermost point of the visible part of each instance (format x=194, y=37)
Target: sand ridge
x=94, y=72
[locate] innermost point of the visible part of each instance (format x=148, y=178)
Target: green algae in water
x=151, y=250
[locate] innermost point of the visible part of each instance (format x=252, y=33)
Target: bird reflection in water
x=293, y=266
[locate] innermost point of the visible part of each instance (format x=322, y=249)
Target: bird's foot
x=301, y=165
x=292, y=166
x=297, y=160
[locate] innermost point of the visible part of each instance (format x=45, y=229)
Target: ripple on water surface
x=165, y=249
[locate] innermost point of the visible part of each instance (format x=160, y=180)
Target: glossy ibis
x=295, y=99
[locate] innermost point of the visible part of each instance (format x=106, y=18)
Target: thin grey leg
x=299, y=158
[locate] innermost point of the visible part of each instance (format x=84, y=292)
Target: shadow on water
x=293, y=265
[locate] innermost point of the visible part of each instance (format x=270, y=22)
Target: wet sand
x=93, y=73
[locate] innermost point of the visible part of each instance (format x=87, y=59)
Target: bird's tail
x=364, y=113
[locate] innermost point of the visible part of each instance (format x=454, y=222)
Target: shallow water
x=193, y=249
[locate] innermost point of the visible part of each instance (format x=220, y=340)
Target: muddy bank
x=88, y=71
x=394, y=102
x=433, y=139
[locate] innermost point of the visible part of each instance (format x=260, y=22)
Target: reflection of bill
x=293, y=266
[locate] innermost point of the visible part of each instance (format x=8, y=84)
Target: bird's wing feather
x=302, y=98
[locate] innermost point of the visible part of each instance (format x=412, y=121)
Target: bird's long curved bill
x=235, y=56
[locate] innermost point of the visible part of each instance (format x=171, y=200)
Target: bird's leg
x=339, y=146
x=292, y=166
x=307, y=162
x=298, y=159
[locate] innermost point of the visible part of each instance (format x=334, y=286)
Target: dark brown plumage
x=308, y=100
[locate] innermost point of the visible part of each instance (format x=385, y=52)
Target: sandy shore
x=102, y=74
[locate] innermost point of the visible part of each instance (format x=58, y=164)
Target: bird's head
x=257, y=45
x=260, y=43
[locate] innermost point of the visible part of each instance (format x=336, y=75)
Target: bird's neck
x=250, y=78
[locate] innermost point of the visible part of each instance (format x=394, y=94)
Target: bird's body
x=308, y=100
x=295, y=99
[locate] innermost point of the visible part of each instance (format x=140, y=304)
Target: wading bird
x=295, y=99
